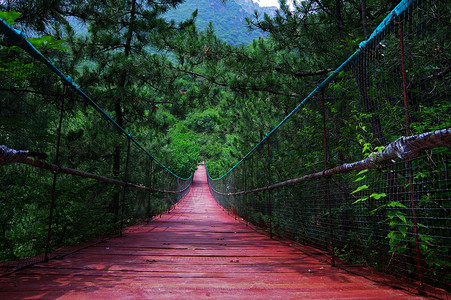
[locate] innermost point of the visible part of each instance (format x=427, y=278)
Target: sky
x=260, y=2
x=276, y=3
x=268, y=2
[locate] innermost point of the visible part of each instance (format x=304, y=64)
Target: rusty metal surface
x=196, y=251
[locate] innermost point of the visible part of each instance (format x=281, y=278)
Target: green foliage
x=48, y=42
x=202, y=122
x=9, y=16
x=184, y=151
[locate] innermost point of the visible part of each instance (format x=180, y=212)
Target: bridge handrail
x=21, y=156
x=404, y=148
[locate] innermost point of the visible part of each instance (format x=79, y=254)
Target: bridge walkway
x=196, y=251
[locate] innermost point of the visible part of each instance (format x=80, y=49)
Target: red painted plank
x=197, y=251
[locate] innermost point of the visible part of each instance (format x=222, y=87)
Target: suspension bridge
x=196, y=250
x=358, y=208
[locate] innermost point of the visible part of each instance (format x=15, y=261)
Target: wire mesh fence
x=76, y=176
x=391, y=214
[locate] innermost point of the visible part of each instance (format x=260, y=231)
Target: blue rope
x=19, y=39
x=380, y=32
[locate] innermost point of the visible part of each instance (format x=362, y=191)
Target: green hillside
x=228, y=19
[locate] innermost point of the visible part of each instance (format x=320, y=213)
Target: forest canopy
x=171, y=83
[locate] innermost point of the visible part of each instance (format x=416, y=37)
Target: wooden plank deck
x=197, y=251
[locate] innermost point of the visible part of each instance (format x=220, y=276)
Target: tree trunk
x=340, y=26
x=362, y=79
x=364, y=20
x=118, y=108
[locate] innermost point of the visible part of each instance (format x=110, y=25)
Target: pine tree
x=128, y=78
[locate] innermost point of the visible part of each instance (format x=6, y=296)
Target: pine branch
x=313, y=73
x=256, y=89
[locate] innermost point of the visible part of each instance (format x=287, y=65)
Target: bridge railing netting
x=390, y=211
x=95, y=180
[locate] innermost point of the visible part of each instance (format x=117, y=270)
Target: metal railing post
x=55, y=174
x=235, y=185
x=269, y=192
x=126, y=183
x=163, y=186
x=149, y=180
x=253, y=182
x=326, y=160
x=246, y=210
x=409, y=163
x=404, y=78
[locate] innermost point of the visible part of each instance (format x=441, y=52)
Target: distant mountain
x=228, y=19
x=250, y=6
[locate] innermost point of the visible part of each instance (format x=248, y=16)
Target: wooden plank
x=196, y=251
